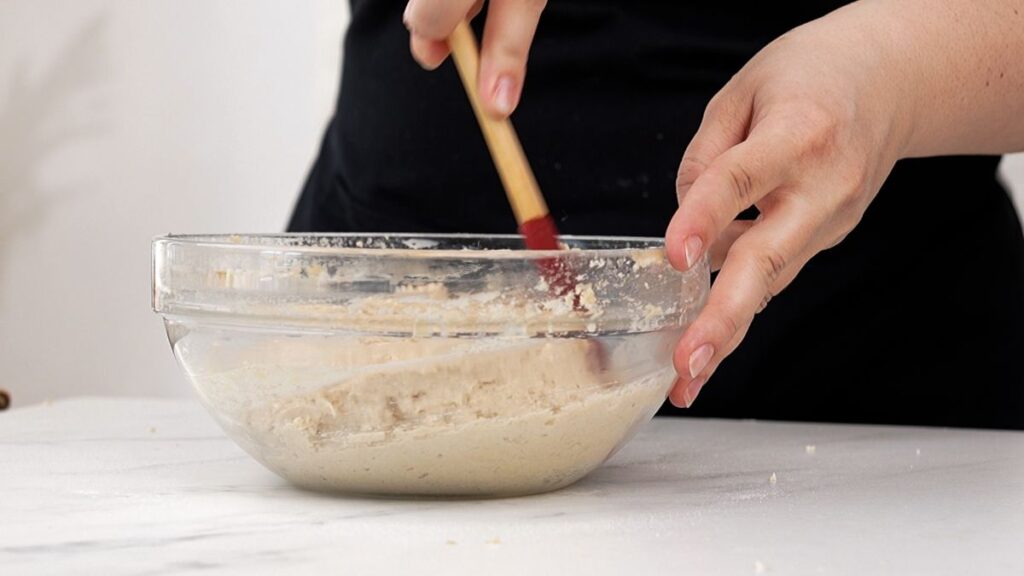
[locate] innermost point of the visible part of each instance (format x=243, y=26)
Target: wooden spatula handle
x=517, y=178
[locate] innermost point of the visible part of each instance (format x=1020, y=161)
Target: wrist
x=955, y=70
x=875, y=39
x=892, y=76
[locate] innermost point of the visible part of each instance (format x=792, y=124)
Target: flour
x=435, y=389
x=433, y=415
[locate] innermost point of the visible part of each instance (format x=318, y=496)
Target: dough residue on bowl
x=532, y=406
x=433, y=415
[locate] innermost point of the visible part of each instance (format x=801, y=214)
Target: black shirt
x=916, y=318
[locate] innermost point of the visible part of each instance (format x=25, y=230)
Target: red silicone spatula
x=535, y=223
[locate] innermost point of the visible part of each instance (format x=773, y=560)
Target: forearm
x=960, y=72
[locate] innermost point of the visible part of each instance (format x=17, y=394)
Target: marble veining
x=105, y=486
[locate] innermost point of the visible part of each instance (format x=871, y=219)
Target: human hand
x=807, y=132
x=505, y=46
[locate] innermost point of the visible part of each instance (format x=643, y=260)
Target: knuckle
x=721, y=105
x=822, y=142
x=813, y=130
x=851, y=200
x=837, y=238
x=429, y=28
x=855, y=190
x=814, y=211
x=741, y=180
x=511, y=51
x=816, y=116
x=432, y=20
x=768, y=261
x=513, y=42
x=727, y=326
x=842, y=224
x=771, y=263
x=847, y=211
x=715, y=105
x=689, y=169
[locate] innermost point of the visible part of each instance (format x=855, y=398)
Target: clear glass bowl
x=425, y=364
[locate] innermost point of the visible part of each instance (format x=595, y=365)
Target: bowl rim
x=231, y=241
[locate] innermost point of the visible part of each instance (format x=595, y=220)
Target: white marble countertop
x=99, y=486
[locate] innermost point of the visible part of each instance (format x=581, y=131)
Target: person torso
x=615, y=90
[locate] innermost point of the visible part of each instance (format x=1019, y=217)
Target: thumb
x=508, y=34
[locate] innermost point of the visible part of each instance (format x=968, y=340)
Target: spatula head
x=541, y=234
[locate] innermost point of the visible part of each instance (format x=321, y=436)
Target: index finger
x=435, y=19
x=427, y=20
x=733, y=182
x=761, y=263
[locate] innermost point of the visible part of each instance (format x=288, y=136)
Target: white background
x=124, y=119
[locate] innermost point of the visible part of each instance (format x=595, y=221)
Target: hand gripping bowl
x=424, y=364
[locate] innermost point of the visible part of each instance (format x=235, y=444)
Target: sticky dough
x=434, y=416
x=464, y=416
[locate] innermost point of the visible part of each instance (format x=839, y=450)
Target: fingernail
x=693, y=247
x=700, y=358
x=691, y=392
x=504, y=96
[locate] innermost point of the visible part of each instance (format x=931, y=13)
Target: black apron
x=916, y=318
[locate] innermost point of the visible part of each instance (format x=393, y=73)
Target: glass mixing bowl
x=425, y=364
